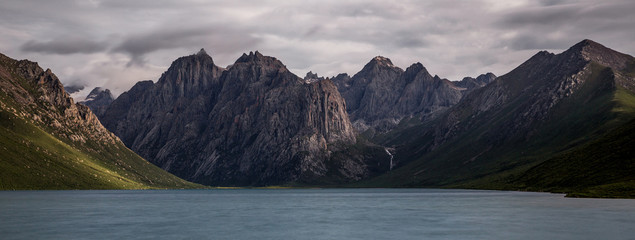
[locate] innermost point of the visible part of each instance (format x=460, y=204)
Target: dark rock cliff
x=255, y=123
x=381, y=94
x=98, y=100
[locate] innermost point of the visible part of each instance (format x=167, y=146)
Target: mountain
x=312, y=77
x=50, y=142
x=541, y=126
x=382, y=94
x=253, y=124
x=98, y=100
x=469, y=83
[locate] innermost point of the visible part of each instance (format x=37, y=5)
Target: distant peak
x=416, y=67
x=253, y=57
x=99, y=93
x=99, y=90
x=381, y=60
x=312, y=77
x=585, y=45
x=588, y=42
x=593, y=51
x=202, y=52
x=310, y=74
x=341, y=75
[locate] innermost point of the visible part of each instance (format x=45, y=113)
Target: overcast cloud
x=117, y=43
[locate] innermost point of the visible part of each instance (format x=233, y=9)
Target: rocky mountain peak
x=54, y=107
x=312, y=77
x=252, y=57
x=256, y=62
x=189, y=74
x=98, y=100
x=595, y=52
x=488, y=75
x=380, y=61
x=310, y=74
x=416, y=68
x=99, y=93
x=202, y=52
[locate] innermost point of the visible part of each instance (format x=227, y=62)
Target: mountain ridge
x=518, y=121
x=380, y=95
x=51, y=142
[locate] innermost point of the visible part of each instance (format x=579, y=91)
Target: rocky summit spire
x=595, y=52
x=382, y=61
x=202, y=52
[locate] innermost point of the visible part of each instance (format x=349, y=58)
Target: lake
x=311, y=214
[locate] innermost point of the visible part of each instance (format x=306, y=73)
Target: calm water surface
x=311, y=214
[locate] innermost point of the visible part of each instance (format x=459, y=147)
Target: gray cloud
x=222, y=40
x=558, y=24
x=126, y=41
x=527, y=41
x=64, y=46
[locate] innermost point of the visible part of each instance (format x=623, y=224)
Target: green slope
x=48, y=142
x=561, y=153
x=603, y=167
x=33, y=159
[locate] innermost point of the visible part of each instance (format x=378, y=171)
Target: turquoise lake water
x=311, y=214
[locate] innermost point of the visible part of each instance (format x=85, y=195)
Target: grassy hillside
x=601, y=167
x=582, y=147
x=33, y=159
x=49, y=142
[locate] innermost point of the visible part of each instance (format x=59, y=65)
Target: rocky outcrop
x=118, y=110
x=49, y=105
x=255, y=123
x=381, y=94
x=98, y=100
x=312, y=77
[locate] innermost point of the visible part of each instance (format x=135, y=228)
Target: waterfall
x=391, y=156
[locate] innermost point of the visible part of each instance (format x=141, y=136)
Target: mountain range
x=558, y=122
x=255, y=123
x=380, y=95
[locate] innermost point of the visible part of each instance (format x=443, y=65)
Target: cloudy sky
x=117, y=43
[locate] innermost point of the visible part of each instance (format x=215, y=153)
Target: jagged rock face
x=371, y=89
x=381, y=94
x=312, y=77
x=51, y=107
x=118, y=110
x=424, y=94
x=254, y=124
x=98, y=100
